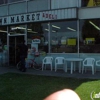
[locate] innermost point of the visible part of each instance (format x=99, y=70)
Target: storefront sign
x=50, y=16
x=40, y=16
x=36, y=41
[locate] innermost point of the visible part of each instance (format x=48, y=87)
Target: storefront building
x=69, y=28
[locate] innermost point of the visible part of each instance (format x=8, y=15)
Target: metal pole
x=49, y=37
x=7, y=46
x=78, y=36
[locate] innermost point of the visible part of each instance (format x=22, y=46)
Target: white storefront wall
x=61, y=9
x=37, y=10
x=56, y=4
x=70, y=13
x=89, y=13
x=41, y=16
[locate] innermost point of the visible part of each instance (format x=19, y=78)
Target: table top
x=73, y=59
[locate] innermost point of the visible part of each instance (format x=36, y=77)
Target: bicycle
x=31, y=63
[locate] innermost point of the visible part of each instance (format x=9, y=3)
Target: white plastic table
x=73, y=60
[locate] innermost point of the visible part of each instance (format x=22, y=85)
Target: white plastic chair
x=47, y=61
x=59, y=61
x=97, y=63
x=88, y=62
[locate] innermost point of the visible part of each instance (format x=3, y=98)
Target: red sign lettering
x=49, y=16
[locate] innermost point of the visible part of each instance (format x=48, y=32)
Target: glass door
x=14, y=42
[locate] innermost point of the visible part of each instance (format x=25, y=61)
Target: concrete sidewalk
x=59, y=73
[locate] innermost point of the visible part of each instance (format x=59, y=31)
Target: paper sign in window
x=71, y=41
x=90, y=40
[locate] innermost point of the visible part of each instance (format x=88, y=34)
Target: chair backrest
x=89, y=61
x=48, y=59
x=98, y=63
x=59, y=60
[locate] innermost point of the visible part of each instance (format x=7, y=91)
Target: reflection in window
x=3, y=37
x=38, y=31
x=64, y=37
x=90, y=36
x=17, y=30
x=3, y=2
x=85, y=3
x=90, y=3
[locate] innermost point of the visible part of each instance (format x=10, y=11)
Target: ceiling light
x=53, y=31
x=55, y=26
x=94, y=25
x=14, y=28
x=32, y=31
x=29, y=29
x=71, y=29
x=20, y=28
x=47, y=29
x=3, y=31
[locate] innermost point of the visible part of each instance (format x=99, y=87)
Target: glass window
x=90, y=36
x=85, y=3
x=38, y=31
x=16, y=29
x=64, y=37
x=3, y=2
x=3, y=37
x=90, y=3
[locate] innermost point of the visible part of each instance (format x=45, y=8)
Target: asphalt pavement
x=58, y=73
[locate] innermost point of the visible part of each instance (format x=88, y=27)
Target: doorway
x=14, y=42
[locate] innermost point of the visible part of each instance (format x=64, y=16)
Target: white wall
x=56, y=4
x=17, y=8
x=89, y=13
x=38, y=5
x=3, y=10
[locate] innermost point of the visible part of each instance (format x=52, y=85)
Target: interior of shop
x=55, y=37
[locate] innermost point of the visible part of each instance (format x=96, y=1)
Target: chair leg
x=74, y=66
x=55, y=67
x=79, y=67
x=82, y=69
x=92, y=70
x=85, y=69
x=51, y=67
x=42, y=66
x=45, y=66
x=95, y=69
x=71, y=68
x=65, y=66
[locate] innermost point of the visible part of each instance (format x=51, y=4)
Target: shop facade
x=68, y=29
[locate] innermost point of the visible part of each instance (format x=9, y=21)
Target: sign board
x=72, y=42
x=90, y=40
x=36, y=41
x=68, y=13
